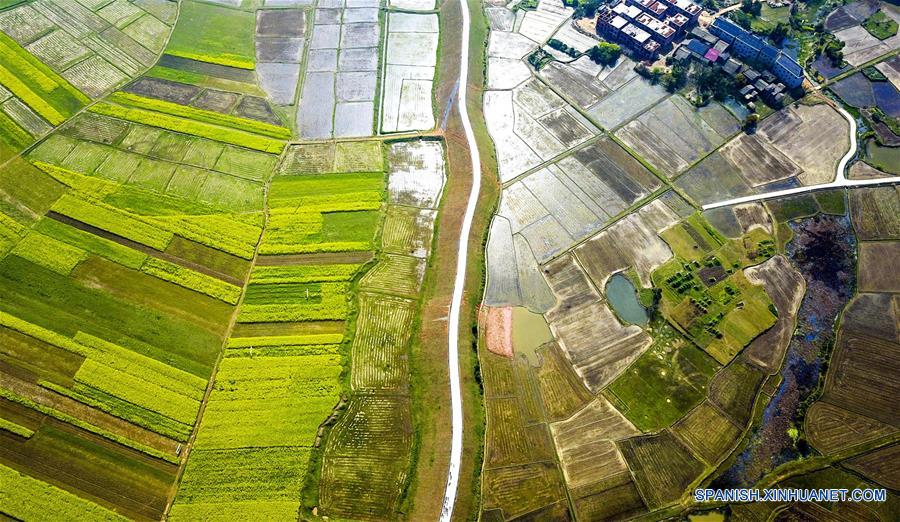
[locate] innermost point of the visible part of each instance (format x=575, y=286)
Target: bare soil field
x=876, y=212
x=707, y=432
x=877, y=272
x=662, y=466
x=785, y=286
x=832, y=429
x=586, y=443
x=880, y=466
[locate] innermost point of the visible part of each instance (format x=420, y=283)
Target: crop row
x=290, y=350
x=138, y=391
x=11, y=232
x=331, y=305
x=113, y=220
x=49, y=253
x=14, y=428
x=188, y=126
x=285, y=340
x=91, y=243
x=192, y=280
x=381, y=343
x=37, y=85
x=220, y=231
x=12, y=133
x=193, y=113
x=125, y=410
x=228, y=60
x=26, y=498
x=303, y=273
x=74, y=421
x=96, y=188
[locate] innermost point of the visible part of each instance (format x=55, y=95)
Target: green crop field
x=215, y=34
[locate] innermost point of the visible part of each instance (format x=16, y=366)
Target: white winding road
x=459, y=284
x=840, y=180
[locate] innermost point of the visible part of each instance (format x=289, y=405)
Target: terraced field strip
x=374, y=437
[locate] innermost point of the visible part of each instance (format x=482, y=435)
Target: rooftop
x=636, y=33
x=657, y=26
x=789, y=64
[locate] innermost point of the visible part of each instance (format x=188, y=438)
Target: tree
x=674, y=79
x=750, y=7
x=779, y=33
x=750, y=122
x=742, y=19
x=605, y=53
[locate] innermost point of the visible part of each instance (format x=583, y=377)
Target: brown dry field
x=496, y=323
x=863, y=373
x=663, y=468
x=832, y=429
x=876, y=212
x=586, y=443
x=735, y=388
x=785, y=287
x=707, y=432
x=881, y=466
x=562, y=391
x=877, y=272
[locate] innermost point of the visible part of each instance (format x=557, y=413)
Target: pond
x=623, y=297
x=884, y=158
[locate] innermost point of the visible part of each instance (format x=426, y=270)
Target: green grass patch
x=303, y=273
x=214, y=34
x=666, y=381
x=792, y=207
x=880, y=25
x=832, y=202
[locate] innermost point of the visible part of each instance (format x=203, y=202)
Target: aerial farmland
x=385, y=260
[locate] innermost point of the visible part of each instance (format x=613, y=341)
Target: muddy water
x=823, y=249
x=622, y=296
x=529, y=332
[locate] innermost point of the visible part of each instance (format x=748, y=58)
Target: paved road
x=459, y=284
x=840, y=180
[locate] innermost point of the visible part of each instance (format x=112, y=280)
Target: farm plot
x=95, y=49
x=113, y=362
x=416, y=174
x=860, y=46
x=708, y=433
x=586, y=444
x=866, y=352
x=366, y=462
x=410, y=61
x=673, y=134
x=520, y=475
x=665, y=382
x=260, y=424
x=542, y=22
x=796, y=146
x=785, y=286
x=214, y=34
x=279, y=50
x=140, y=158
x=342, y=69
x=530, y=124
x=662, y=466
x=705, y=295
x=875, y=272
x=598, y=346
x=876, y=212
x=625, y=102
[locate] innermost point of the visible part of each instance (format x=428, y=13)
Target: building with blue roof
x=788, y=71
x=751, y=47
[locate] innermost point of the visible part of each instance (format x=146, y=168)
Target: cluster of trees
x=585, y=8
x=562, y=47
x=605, y=53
